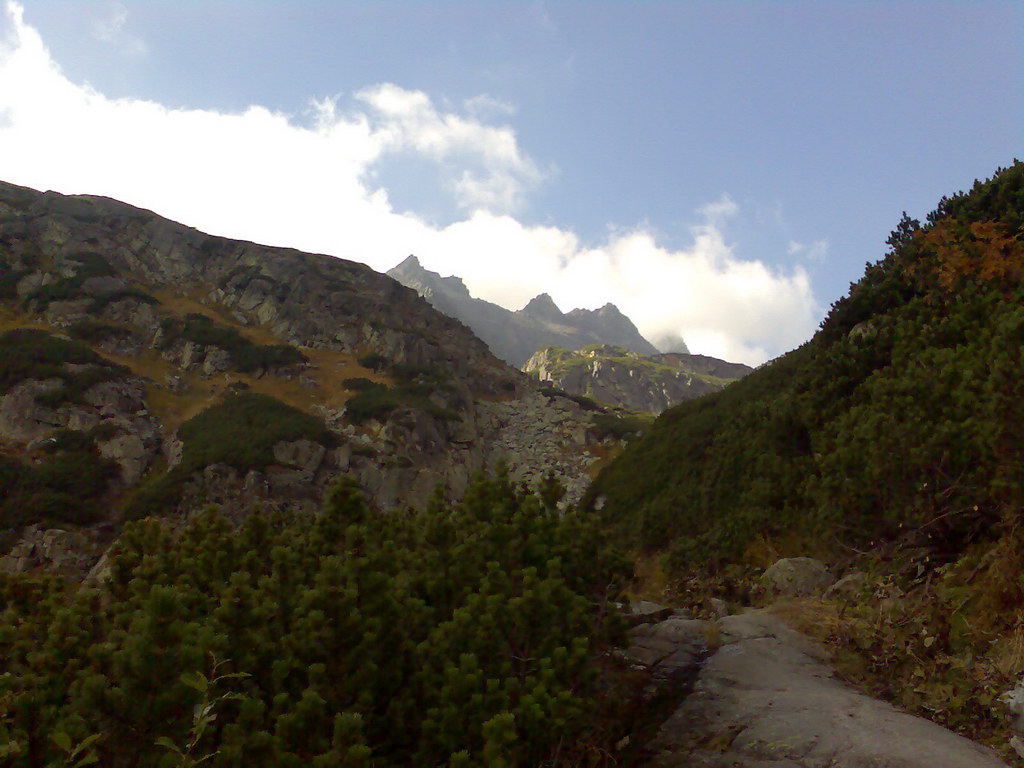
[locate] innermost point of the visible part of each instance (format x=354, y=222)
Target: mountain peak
x=543, y=306
x=413, y=274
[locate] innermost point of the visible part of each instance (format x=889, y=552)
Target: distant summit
x=515, y=336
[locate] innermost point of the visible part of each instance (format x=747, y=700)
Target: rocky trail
x=757, y=694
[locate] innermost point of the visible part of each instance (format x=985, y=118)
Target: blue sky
x=719, y=170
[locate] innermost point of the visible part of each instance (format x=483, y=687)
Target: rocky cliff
x=151, y=368
x=514, y=336
x=623, y=378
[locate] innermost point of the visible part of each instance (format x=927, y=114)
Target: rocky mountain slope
x=514, y=336
x=172, y=368
x=620, y=377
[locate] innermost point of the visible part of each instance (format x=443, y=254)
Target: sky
x=721, y=171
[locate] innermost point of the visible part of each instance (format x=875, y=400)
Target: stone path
x=766, y=699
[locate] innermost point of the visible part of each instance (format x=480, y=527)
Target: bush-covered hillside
x=463, y=636
x=904, y=413
x=240, y=431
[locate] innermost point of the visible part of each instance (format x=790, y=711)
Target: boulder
x=851, y=585
x=670, y=645
x=797, y=577
x=645, y=612
x=766, y=699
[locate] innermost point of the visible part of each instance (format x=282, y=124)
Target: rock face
x=765, y=698
x=71, y=553
x=620, y=377
x=514, y=336
x=181, y=311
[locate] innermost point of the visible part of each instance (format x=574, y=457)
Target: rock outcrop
x=514, y=336
x=192, y=319
x=620, y=377
x=763, y=696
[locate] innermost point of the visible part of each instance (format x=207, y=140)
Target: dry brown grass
x=818, y=619
x=329, y=368
x=650, y=581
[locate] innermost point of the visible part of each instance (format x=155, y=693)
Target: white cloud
x=269, y=177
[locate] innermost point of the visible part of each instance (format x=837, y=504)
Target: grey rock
x=668, y=645
x=851, y=585
x=216, y=360
x=628, y=379
x=797, y=577
x=719, y=608
x=644, y=611
x=766, y=699
x=303, y=454
x=71, y=553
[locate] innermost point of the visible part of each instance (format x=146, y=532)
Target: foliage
x=33, y=354
x=620, y=425
x=904, y=413
x=245, y=356
x=101, y=302
x=9, y=279
x=84, y=265
x=241, y=431
x=465, y=635
x=415, y=385
x=67, y=485
x=94, y=331
x=373, y=361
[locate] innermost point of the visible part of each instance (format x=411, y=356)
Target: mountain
x=249, y=436
x=620, y=377
x=269, y=466
x=176, y=368
x=514, y=336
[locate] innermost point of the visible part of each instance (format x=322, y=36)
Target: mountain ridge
x=515, y=335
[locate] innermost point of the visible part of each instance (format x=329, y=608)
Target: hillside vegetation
x=904, y=412
x=464, y=636
x=890, y=444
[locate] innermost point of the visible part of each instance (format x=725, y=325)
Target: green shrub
x=245, y=356
x=358, y=384
x=911, y=426
x=34, y=354
x=378, y=401
x=620, y=426
x=9, y=279
x=89, y=264
x=101, y=302
x=373, y=361
x=67, y=486
x=95, y=331
x=240, y=431
x=351, y=637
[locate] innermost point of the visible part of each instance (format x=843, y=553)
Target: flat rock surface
x=765, y=699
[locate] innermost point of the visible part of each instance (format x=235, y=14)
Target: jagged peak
x=543, y=306
x=412, y=272
x=410, y=262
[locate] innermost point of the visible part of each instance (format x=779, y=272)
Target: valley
x=262, y=507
